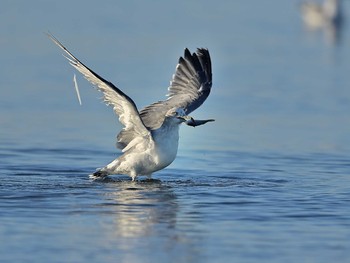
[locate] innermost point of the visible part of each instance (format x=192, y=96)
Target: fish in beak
x=192, y=122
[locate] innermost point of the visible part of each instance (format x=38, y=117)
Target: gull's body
x=149, y=139
x=153, y=154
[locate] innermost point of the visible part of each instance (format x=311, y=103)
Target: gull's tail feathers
x=99, y=175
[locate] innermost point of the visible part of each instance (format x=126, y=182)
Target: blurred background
x=279, y=85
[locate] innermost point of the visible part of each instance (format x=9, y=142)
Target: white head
x=178, y=115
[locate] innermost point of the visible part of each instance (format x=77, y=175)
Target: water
x=267, y=182
x=266, y=207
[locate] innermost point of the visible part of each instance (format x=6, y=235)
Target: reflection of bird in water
x=141, y=207
x=327, y=16
x=150, y=137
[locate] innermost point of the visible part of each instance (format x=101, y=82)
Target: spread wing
x=189, y=88
x=134, y=128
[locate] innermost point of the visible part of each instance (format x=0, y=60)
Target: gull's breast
x=166, y=145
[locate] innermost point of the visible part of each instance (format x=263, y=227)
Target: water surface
x=263, y=207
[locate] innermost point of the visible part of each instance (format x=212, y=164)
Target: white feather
x=77, y=88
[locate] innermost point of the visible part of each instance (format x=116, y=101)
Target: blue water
x=269, y=181
x=260, y=207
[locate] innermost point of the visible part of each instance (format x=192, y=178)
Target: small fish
x=192, y=122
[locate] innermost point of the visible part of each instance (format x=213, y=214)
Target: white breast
x=166, y=145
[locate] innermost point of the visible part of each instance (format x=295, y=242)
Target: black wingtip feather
x=205, y=60
x=187, y=53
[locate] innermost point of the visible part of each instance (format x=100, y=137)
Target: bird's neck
x=169, y=131
x=168, y=128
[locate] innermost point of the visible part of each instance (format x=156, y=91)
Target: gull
x=150, y=137
x=319, y=15
x=327, y=17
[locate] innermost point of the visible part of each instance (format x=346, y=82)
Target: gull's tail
x=98, y=175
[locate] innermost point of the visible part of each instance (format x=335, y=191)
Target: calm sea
x=269, y=181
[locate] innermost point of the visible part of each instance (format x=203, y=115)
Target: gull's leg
x=133, y=176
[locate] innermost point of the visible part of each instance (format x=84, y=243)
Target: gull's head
x=178, y=115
